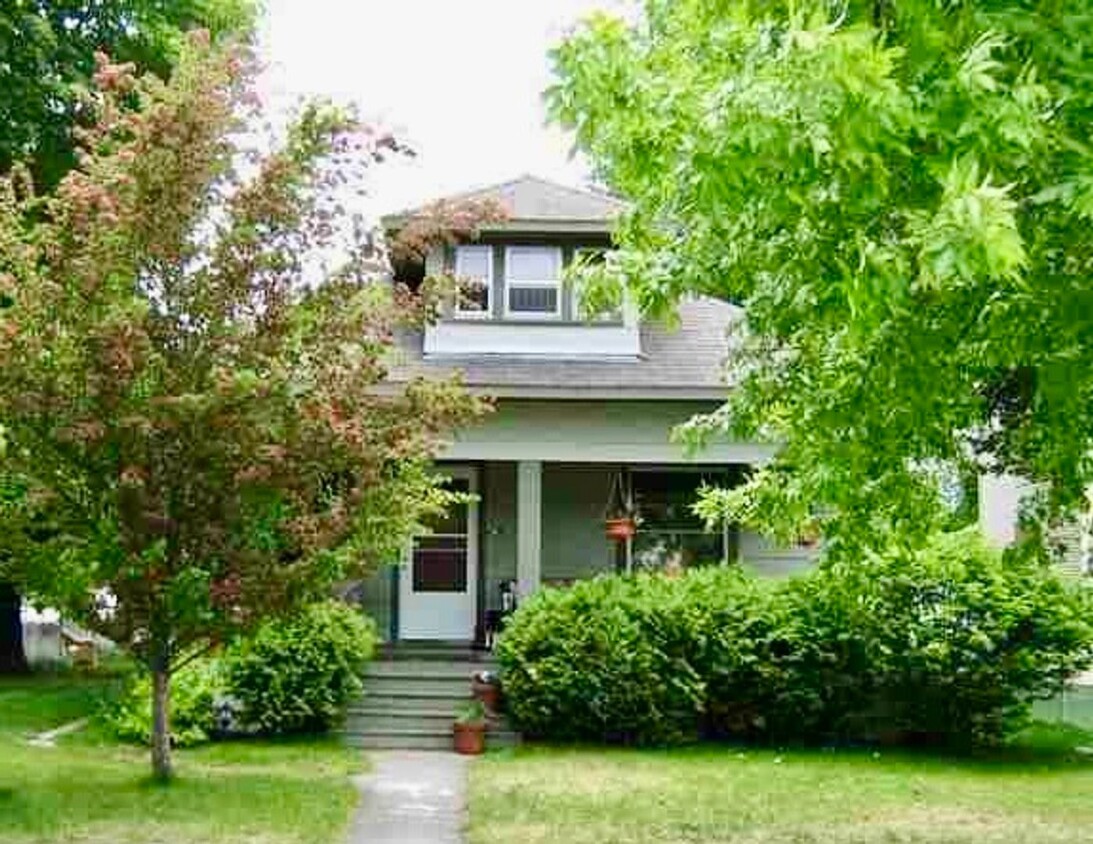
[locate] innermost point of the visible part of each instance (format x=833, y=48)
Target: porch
x=534, y=522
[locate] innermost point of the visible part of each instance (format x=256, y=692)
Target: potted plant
x=620, y=528
x=620, y=517
x=469, y=729
x=486, y=688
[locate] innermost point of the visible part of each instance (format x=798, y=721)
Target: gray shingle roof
x=529, y=199
x=681, y=362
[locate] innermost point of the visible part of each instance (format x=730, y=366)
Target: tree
x=900, y=198
x=192, y=387
x=47, y=59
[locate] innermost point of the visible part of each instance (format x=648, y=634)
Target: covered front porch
x=533, y=522
x=542, y=474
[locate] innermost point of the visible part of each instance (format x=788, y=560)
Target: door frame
x=404, y=594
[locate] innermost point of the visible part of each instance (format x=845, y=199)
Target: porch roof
x=681, y=362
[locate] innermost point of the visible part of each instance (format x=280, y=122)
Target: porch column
x=529, y=526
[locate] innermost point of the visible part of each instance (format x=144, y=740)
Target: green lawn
x=90, y=791
x=573, y=796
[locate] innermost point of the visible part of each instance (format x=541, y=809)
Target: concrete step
x=378, y=721
x=411, y=698
x=417, y=686
x=400, y=741
x=427, y=668
x=419, y=738
x=433, y=652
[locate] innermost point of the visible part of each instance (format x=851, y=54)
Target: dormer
x=514, y=298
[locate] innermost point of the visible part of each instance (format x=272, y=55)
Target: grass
x=87, y=790
x=1039, y=792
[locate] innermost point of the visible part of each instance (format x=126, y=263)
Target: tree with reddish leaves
x=195, y=406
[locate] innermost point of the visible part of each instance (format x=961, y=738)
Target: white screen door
x=438, y=583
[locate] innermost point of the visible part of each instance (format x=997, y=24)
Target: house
x=1001, y=497
x=582, y=426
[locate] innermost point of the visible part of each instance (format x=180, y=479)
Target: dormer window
x=533, y=282
x=474, y=271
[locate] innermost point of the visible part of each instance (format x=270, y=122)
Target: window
x=474, y=274
x=439, y=562
x=533, y=282
x=590, y=256
x=669, y=527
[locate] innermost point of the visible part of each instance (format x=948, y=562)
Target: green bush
x=949, y=644
x=601, y=660
x=194, y=689
x=298, y=675
x=294, y=675
x=958, y=642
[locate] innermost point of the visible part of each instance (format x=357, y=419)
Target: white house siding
x=1000, y=498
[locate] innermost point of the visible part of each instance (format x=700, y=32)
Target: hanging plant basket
x=619, y=516
x=621, y=528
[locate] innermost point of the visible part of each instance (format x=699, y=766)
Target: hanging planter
x=620, y=518
x=621, y=528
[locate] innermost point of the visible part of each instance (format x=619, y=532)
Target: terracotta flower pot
x=469, y=739
x=488, y=694
x=621, y=528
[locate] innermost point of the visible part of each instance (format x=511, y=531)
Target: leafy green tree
x=193, y=385
x=900, y=197
x=47, y=59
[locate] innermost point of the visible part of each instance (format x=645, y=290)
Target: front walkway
x=411, y=797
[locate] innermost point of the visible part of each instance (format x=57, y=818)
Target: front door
x=438, y=584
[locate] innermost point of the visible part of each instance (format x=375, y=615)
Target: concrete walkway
x=411, y=797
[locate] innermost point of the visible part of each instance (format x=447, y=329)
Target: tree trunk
x=161, y=721
x=13, y=657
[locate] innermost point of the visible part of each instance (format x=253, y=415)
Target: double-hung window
x=474, y=276
x=533, y=282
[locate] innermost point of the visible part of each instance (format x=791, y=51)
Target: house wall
x=560, y=431
x=760, y=555
x=1000, y=501
x=498, y=489
x=376, y=598
x=574, y=543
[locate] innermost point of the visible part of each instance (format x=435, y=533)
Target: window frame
x=556, y=284
x=462, y=313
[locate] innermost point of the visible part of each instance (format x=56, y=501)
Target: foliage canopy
x=47, y=61
x=195, y=405
x=900, y=198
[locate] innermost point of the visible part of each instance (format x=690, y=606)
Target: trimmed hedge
x=948, y=644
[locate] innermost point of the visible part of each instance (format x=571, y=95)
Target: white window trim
x=469, y=314
x=556, y=314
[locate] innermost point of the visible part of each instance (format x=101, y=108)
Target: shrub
x=298, y=675
x=958, y=641
x=294, y=675
x=948, y=643
x=194, y=688
x=597, y=661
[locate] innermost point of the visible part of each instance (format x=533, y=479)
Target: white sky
x=461, y=80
